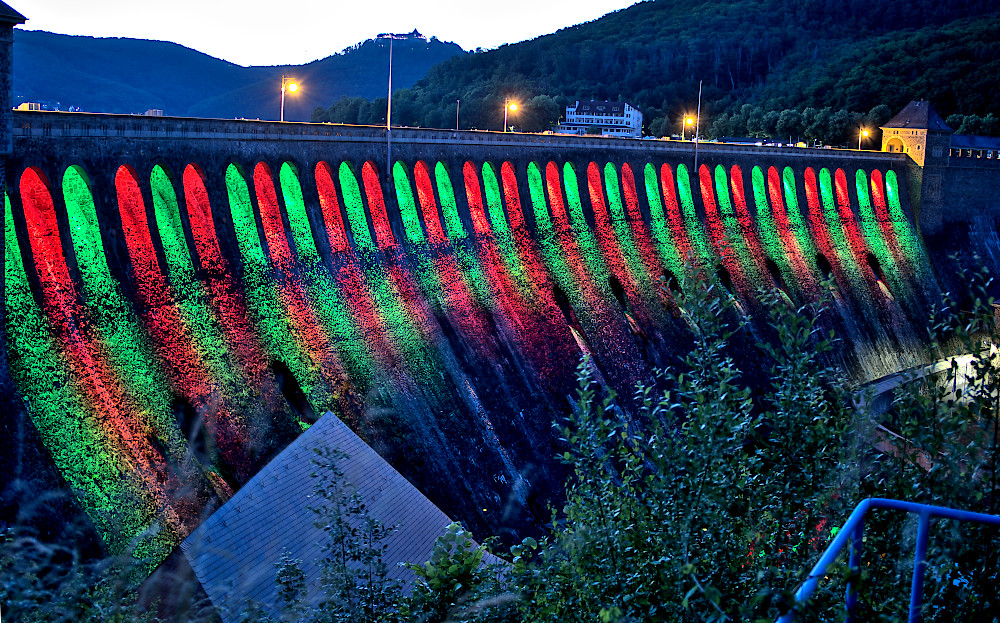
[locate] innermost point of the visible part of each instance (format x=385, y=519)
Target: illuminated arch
x=199, y=211
x=474, y=195
x=407, y=205
x=330, y=207
x=895, y=145
x=376, y=206
x=428, y=203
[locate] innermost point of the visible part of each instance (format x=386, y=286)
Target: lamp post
x=862, y=134
x=287, y=84
x=697, y=129
x=508, y=105
x=388, y=106
x=686, y=122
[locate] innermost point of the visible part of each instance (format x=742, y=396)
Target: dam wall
x=183, y=296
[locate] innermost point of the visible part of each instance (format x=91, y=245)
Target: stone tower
x=919, y=132
x=9, y=404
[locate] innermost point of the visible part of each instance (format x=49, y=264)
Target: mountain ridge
x=125, y=75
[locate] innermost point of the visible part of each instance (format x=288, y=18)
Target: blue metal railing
x=851, y=535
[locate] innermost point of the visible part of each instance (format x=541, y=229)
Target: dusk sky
x=268, y=32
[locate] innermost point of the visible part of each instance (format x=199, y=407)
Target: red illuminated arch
x=199, y=211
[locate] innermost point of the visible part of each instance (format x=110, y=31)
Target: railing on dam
x=58, y=125
x=851, y=538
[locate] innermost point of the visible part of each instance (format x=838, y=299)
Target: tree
x=754, y=116
x=840, y=128
x=716, y=509
x=769, y=123
x=667, y=523
x=455, y=585
x=660, y=126
x=319, y=115
x=540, y=113
x=721, y=126
x=790, y=124
x=818, y=129
x=944, y=449
x=991, y=125
x=878, y=116
x=354, y=576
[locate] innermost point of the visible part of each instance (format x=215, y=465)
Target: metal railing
x=851, y=535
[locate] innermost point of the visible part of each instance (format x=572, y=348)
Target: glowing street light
x=862, y=134
x=287, y=84
x=508, y=106
x=687, y=121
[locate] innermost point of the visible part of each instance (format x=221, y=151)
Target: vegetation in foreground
x=709, y=503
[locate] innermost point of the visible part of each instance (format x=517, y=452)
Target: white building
x=611, y=118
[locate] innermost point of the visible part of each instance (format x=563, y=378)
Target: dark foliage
x=777, y=55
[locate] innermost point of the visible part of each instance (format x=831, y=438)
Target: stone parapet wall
x=59, y=125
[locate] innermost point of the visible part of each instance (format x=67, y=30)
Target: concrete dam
x=183, y=297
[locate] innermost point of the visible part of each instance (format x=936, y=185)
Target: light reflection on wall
x=477, y=308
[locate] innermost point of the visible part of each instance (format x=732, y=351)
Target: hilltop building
x=942, y=163
x=619, y=119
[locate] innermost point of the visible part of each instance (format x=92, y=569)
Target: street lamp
x=508, y=105
x=687, y=121
x=862, y=134
x=388, y=106
x=287, y=84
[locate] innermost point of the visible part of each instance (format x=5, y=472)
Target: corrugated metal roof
x=234, y=551
x=918, y=115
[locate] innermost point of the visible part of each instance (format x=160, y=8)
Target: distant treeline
x=823, y=125
x=974, y=124
x=843, y=57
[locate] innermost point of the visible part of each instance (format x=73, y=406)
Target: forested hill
x=775, y=54
x=121, y=75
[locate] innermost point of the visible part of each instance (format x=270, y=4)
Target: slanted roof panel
x=970, y=141
x=919, y=115
x=233, y=552
x=9, y=15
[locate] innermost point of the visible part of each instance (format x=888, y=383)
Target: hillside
x=133, y=75
x=776, y=54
